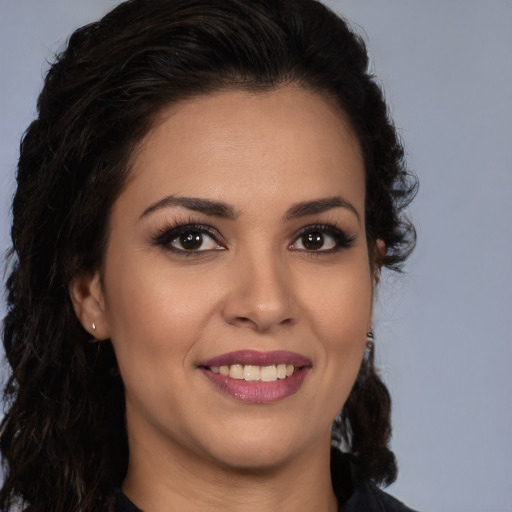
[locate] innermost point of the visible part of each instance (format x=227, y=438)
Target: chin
x=259, y=452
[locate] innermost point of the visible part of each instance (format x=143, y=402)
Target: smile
x=257, y=377
x=250, y=372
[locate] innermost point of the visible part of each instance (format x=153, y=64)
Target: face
x=236, y=286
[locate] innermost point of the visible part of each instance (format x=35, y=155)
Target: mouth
x=257, y=377
x=252, y=373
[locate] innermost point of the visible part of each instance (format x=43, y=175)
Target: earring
x=370, y=346
x=93, y=339
x=367, y=362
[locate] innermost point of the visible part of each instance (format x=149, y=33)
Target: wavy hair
x=63, y=437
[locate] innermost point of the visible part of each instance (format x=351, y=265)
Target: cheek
x=341, y=309
x=341, y=302
x=156, y=311
x=154, y=325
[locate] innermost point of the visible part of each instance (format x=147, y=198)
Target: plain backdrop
x=444, y=327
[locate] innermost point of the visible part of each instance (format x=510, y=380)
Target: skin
x=255, y=286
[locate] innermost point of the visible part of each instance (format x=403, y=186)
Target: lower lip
x=258, y=392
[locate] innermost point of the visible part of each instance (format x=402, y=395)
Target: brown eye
x=321, y=239
x=190, y=241
x=313, y=240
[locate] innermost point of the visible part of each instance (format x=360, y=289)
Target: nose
x=260, y=295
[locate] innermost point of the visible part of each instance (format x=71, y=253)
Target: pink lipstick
x=257, y=377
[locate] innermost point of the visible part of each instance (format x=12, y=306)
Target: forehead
x=289, y=141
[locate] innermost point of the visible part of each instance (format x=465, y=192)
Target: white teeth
x=281, y=371
x=236, y=371
x=269, y=373
x=251, y=372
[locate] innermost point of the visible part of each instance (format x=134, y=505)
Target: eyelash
x=341, y=239
x=166, y=235
x=169, y=233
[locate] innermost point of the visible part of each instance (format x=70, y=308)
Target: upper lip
x=257, y=358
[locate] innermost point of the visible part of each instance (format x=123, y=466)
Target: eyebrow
x=223, y=210
x=197, y=204
x=305, y=208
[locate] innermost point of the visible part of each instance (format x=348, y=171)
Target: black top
x=363, y=495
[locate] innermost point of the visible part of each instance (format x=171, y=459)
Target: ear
x=380, y=253
x=86, y=293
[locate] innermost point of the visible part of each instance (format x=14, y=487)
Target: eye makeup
x=322, y=239
x=188, y=238
x=191, y=238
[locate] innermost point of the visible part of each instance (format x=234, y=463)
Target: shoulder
x=368, y=497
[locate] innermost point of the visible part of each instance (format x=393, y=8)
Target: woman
x=203, y=207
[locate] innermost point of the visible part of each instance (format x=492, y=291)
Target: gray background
x=444, y=328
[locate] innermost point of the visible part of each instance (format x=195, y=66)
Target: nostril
x=259, y=324
x=259, y=305
x=244, y=321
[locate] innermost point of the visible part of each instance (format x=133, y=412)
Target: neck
x=161, y=482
